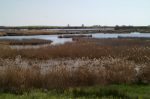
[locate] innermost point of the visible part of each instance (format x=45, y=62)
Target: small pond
x=56, y=40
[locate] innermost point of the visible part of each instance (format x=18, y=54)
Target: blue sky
x=74, y=12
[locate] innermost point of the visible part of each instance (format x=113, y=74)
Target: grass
x=15, y=77
x=2, y=33
x=39, y=32
x=95, y=92
x=137, y=50
x=30, y=32
x=24, y=42
x=125, y=62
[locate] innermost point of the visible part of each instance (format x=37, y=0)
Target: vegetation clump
x=24, y=42
x=84, y=63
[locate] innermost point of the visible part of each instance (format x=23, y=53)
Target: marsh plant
x=20, y=75
x=85, y=62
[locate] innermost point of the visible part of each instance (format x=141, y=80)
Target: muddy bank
x=73, y=36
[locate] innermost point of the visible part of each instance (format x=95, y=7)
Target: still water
x=55, y=40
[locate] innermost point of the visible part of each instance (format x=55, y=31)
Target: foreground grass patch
x=96, y=92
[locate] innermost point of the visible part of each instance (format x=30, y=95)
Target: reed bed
x=137, y=50
x=85, y=62
x=24, y=42
x=30, y=32
x=38, y=32
x=19, y=76
x=2, y=33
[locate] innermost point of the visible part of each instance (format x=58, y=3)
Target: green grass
x=96, y=92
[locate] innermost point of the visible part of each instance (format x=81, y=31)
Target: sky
x=74, y=12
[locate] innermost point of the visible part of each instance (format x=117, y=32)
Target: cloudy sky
x=74, y=12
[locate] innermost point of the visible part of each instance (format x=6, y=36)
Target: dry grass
x=106, y=61
x=31, y=32
x=16, y=77
x=2, y=33
x=38, y=32
x=24, y=42
x=137, y=50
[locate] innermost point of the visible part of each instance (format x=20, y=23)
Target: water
x=55, y=40
x=116, y=35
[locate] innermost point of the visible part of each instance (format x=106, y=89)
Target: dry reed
x=24, y=42
x=132, y=49
x=15, y=76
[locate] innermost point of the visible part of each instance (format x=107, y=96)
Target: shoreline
x=50, y=32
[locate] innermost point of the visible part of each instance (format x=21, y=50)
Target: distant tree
x=117, y=27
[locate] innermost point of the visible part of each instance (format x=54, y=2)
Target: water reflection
x=55, y=40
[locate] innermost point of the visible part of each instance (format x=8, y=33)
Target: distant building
x=68, y=25
x=82, y=25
